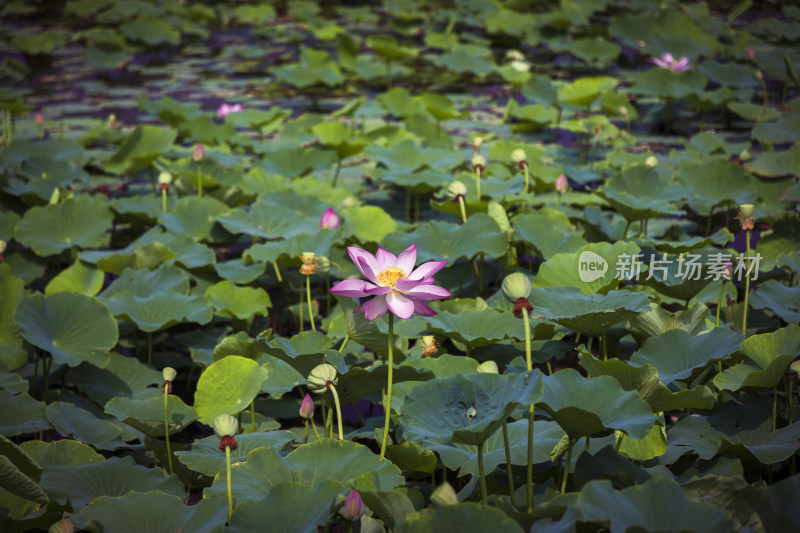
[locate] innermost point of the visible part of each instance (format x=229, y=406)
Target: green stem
x=566, y=467
x=305, y=439
x=605, y=346
x=388, y=404
x=230, y=489
x=277, y=272
x=746, y=284
x=336, y=172
x=525, y=189
x=719, y=307
x=619, y=442
x=164, y=200
x=166, y=428
x=200, y=188
x=308, y=298
x=463, y=209
x=529, y=365
x=253, y=415
x=774, y=408
x=149, y=348
x=314, y=427
x=332, y=388
x=508, y=465
x=346, y=338
x=482, y=474
x=478, y=183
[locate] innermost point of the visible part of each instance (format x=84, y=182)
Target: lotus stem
x=200, y=191
x=566, y=467
x=344, y=343
x=484, y=491
x=388, y=403
x=719, y=307
x=774, y=407
x=253, y=415
x=164, y=200
x=149, y=348
x=789, y=387
x=525, y=189
x=508, y=465
x=228, y=472
x=746, y=284
x=605, y=346
x=463, y=209
x=305, y=439
x=478, y=182
x=529, y=365
x=618, y=444
x=277, y=272
x=166, y=428
x=332, y=388
x=308, y=298
x=314, y=427
x=336, y=172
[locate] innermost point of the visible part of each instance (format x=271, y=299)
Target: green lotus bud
x=319, y=378
x=457, y=189
x=226, y=426
x=746, y=209
x=169, y=373
x=518, y=156
x=516, y=286
x=323, y=264
x=444, y=494
x=488, y=367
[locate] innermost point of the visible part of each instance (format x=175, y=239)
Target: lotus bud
x=520, y=66
x=329, y=220
x=651, y=161
x=39, y=119
x=199, y=152
x=353, y=507
x=226, y=426
x=309, y=265
x=457, y=189
x=321, y=376
x=488, y=367
x=429, y=345
x=562, y=184
x=516, y=288
x=751, y=54
x=62, y=526
x=476, y=144
x=112, y=120
x=519, y=157
x=759, y=75
x=323, y=264
x=164, y=181
x=746, y=216
x=478, y=162
x=444, y=494
x=623, y=111
x=307, y=407
x=746, y=210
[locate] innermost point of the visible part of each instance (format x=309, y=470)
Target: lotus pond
x=413, y=266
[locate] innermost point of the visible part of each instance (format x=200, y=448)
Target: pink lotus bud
x=307, y=407
x=562, y=184
x=224, y=110
x=329, y=220
x=39, y=119
x=199, y=152
x=353, y=507
x=751, y=54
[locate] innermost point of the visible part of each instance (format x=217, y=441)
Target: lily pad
x=122, y=376
x=68, y=420
x=22, y=414
x=77, y=278
x=639, y=193
x=12, y=353
x=193, y=216
x=238, y=302
x=559, y=236
x=465, y=516
x=147, y=415
x=140, y=149
x=764, y=360
x=658, y=320
x=595, y=268
x=716, y=183
x=227, y=387
x=779, y=298
x=205, y=457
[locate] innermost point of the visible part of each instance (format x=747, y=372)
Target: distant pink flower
x=397, y=286
x=199, y=152
x=751, y=54
x=39, y=119
x=329, y=220
x=562, y=184
x=224, y=110
x=675, y=65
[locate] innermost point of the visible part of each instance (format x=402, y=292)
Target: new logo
x=591, y=266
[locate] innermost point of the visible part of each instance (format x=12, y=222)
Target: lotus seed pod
x=519, y=155
x=428, y=345
x=795, y=367
x=516, y=286
x=651, y=161
x=226, y=426
x=307, y=407
x=323, y=264
x=444, y=494
x=319, y=378
x=457, y=189
x=478, y=161
x=488, y=367
x=477, y=142
x=309, y=265
x=165, y=178
x=746, y=210
x=169, y=373
x=62, y=526
x=353, y=507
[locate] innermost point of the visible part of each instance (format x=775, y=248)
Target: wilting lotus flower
x=330, y=219
x=675, y=65
x=224, y=110
x=397, y=286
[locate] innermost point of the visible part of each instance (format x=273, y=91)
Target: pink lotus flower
x=562, y=184
x=675, y=65
x=224, y=110
x=329, y=220
x=397, y=286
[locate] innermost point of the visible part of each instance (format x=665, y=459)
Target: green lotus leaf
x=783, y=497
x=776, y=164
x=238, y=302
x=77, y=278
x=8, y=220
x=665, y=83
x=227, y=387
x=784, y=130
x=251, y=479
x=645, y=380
x=535, y=116
x=465, y=61
x=587, y=406
x=113, y=477
x=193, y=216
x=776, y=245
x=339, y=137
x=68, y=420
x=205, y=457
x=411, y=456
x=752, y=111
x=145, y=257
x=12, y=353
x=678, y=355
x=678, y=242
x=318, y=243
x=683, y=276
x=190, y=253
x=583, y=91
x=564, y=269
x=388, y=47
x=75, y=222
x=236, y=271
x=716, y=183
x=764, y=360
x=540, y=89
x=122, y=376
x=638, y=194
x=442, y=240
x=658, y=320
x=445, y=365
x=147, y=415
x=343, y=461
x=465, y=516
x=399, y=102
x=71, y=327
x=393, y=506
x=267, y=221
x=156, y=510
x=779, y=298
x=64, y=452
x=22, y=414
x=314, y=66
x=13, y=383
x=368, y=223
x=363, y=331
x=440, y=410
x=310, y=508
x=20, y=473
x=549, y=231
x=594, y=50
x=476, y=328
x=439, y=105
x=140, y=149
x=282, y=377
x=291, y=162
x=591, y=314
x=358, y=383
x=658, y=505
x=150, y=30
